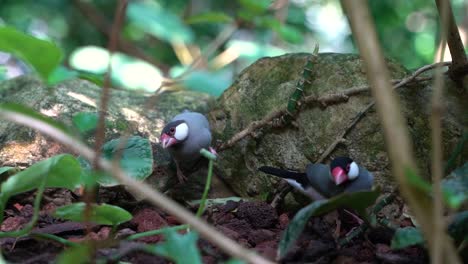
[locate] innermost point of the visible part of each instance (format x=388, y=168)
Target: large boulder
x=266, y=86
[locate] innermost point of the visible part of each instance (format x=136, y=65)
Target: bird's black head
x=174, y=133
x=343, y=169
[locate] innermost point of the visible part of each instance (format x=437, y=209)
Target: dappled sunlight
x=54, y=111
x=83, y=98
x=128, y=72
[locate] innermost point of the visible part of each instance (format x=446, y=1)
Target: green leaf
x=455, y=187
x=103, y=214
x=97, y=79
x=295, y=227
x=291, y=34
x=255, y=6
x=23, y=110
x=235, y=261
x=357, y=200
x=62, y=171
x=175, y=244
x=458, y=228
x=61, y=74
x=136, y=159
x=75, y=255
x=213, y=83
x=43, y=55
x=405, y=237
x=6, y=169
x=85, y=122
x=269, y=22
x=159, y=22
x=209, y=17
x=5, y=172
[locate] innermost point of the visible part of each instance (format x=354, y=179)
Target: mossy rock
x=266, y=86
x=21, y=146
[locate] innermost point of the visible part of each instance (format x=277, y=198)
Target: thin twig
x=89, y=192
x=135, y=187
x=220, y=39
x=436, y=120
x=459, y=67
x=395, y=128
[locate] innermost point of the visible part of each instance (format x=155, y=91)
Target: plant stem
x=55, y=238
x=201, y=208
x=35, y=217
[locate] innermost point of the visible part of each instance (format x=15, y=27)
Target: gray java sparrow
x=323, y=181
x=184, y=136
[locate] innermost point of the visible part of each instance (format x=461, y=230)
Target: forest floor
x=255, y=225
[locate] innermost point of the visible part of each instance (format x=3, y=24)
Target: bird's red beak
x=167, y=141
x=339, y=175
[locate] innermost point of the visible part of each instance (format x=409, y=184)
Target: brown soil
x=255, y=225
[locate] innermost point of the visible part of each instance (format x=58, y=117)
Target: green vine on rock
x=293, y=104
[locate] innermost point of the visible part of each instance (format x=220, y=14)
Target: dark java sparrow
x=184, y=136
x=323, y=181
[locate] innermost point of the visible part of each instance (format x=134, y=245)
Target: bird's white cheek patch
x=353, y=171
x=181, y=132
x=295, y=184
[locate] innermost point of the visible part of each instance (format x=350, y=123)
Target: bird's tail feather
x=286, y=174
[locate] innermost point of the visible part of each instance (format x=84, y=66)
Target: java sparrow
x=323, y=181
x=184, y=136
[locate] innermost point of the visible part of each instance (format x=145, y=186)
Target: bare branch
x=436, y=120
x=449, y=26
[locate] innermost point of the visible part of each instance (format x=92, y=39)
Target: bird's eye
x=172, y=130
x=348, y=167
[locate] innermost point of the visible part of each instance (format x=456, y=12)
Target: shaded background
x=161, y=38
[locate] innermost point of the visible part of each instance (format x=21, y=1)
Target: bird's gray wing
x=362, y=183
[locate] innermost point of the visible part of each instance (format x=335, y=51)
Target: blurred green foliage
x=161, y=38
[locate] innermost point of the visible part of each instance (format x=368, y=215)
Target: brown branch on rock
x=363, y=112
x=324, y=101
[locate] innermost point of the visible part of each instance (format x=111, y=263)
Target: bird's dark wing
x=299, y=177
